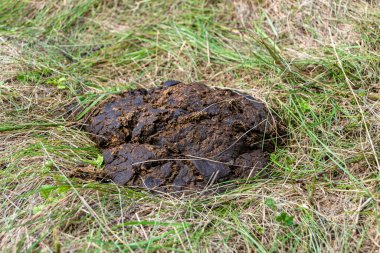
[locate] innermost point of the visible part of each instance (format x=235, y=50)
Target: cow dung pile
x=181, y=136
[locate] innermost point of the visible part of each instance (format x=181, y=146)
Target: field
x=316, y=64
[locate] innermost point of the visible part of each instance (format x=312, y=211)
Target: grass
x=316, y=64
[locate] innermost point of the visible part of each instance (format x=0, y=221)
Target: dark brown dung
x=181, y=136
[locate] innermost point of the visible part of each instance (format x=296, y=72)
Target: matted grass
x=315, y=63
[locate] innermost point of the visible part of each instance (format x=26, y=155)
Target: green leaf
x=304, y=106
x=285, y=219
x=271, y=203
x=45, y=190
x=99, y=161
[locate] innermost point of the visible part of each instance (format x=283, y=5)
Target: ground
x=315, y=64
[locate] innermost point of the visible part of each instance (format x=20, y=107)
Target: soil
x=181, y=136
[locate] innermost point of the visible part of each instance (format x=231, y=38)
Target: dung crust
x=181, y=136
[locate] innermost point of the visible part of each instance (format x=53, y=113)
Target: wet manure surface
x=181, y=136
